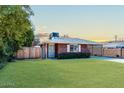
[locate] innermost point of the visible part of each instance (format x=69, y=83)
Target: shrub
x=2, y=64
x=3, y=61
x=70, y=55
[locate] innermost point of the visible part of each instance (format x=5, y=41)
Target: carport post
x=46, y=49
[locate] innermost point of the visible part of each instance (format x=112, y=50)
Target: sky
x=97, y=23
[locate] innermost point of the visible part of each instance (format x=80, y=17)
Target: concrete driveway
x=119, y=60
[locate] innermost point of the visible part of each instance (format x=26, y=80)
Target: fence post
x=121, y=52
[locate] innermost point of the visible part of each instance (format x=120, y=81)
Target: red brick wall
x=60, y=48
x=84, y=48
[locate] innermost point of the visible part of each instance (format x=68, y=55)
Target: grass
x=62, y=73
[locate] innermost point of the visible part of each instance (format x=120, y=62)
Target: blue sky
x=89, y=22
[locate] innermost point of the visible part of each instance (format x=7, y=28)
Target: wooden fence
x=38, y=52
x=113, y=52
x=29, y=53
x=98, y=50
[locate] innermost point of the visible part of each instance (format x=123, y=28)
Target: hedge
x=70, y=55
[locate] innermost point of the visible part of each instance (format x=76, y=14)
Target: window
x=74, y=48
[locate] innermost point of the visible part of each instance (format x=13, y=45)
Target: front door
x=51, y=51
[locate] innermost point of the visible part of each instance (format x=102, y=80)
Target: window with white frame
x=74, y=48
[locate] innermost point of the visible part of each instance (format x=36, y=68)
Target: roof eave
x=74, y=43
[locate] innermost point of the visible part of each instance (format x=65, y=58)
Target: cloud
x=40, y=28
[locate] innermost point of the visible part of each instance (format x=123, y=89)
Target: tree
x=16, y=29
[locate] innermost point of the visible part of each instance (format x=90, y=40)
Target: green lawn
x=62, y=73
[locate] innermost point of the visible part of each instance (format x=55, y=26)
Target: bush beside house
x=70, y=55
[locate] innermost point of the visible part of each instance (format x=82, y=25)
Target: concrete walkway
x=119, y=60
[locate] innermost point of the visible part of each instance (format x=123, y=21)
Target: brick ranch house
x=56, y=45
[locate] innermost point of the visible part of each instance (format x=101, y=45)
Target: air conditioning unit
x=54, y=35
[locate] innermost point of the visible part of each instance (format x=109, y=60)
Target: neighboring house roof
x=70, y=40
x=114, y=45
